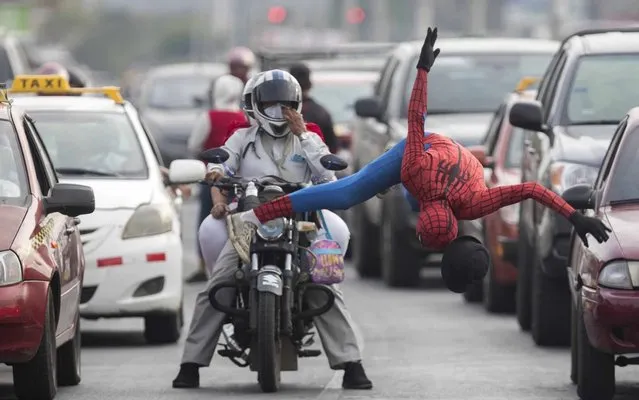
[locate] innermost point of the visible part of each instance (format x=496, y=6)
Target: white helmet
x=247, y=96
x=227, y=93
x=274, y=89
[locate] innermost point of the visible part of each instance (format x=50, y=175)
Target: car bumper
x=612, y=319
x=133, y=277
x=22, y=310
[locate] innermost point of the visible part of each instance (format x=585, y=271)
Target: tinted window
x=475, y=83
x=13, y=183
x=179, y=92
x=338, y=97
x=91, y=144
x=604, y=88
x=623, y=184
x=515, y=152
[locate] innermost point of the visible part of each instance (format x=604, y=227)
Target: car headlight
x=620, y=274
x=148, y=220
x=10, y=268
x=565, y=175
x=272, y=230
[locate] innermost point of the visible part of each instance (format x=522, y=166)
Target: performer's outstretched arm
x=417, y=108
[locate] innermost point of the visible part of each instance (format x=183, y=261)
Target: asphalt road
x=420, y=344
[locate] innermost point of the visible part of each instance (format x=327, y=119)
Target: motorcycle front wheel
x=268, y=342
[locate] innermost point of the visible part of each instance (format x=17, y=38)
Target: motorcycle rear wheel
x=268, y=343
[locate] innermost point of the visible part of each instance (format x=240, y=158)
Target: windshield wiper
x=599, y=122
x=625, y=201
x=84, y=171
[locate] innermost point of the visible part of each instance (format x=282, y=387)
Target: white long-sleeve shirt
x=199, y=134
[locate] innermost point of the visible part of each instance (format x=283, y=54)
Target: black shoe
x=188, y=377
x=355, y=377
x=197, y=277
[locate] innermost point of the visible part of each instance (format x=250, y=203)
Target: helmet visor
x=276, y=92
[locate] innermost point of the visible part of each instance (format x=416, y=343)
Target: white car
x=132, y=241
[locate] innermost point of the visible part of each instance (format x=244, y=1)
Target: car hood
x=10, y=221
x=623, y=220
x=171, y=122
x=113, y=194
x=583, y=144
x=467, y=129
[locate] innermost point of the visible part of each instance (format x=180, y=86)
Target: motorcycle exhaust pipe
x=314, y=312
x=224, y=308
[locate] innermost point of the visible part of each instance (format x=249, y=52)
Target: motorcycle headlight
x=620, y=274
x=272, y=230
x=10, y=268
x=148, y=220
x=564, y=175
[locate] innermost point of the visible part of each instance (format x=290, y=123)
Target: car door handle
x=69, y=230
x=76, y=221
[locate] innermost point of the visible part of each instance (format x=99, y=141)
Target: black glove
x=584, y=225
x=429, y=53
x=464, y=262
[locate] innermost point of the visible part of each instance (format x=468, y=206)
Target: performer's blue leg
x=377, y=176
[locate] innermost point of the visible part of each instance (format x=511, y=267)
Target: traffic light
x=277, y=14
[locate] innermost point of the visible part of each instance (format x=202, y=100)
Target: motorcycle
x=271, y=321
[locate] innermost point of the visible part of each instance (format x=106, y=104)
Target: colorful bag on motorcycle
x=326, y=259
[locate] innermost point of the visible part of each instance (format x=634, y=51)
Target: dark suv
x=466, y=86
x=589, y=86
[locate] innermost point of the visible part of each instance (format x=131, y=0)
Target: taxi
x=132, y=241
x=41, y=261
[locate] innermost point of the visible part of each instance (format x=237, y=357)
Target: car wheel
x=37, y=378
x=523, y=288
x=498, y=298
x=400, y=265
x=69, y=358
x=596, y=370
x=366, y=259
x=550, y=309
x=163, y=328
x=574, y=356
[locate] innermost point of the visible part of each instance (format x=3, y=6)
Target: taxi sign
x=525, y=83
x=55, y=85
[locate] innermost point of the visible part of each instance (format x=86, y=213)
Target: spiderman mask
x=465, y=261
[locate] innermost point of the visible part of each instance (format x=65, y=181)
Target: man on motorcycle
x=278, y=144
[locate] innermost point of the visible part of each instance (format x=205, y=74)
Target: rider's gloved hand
x=429, y=53
x=465, y=261
x=220, y=210
x=588, y=225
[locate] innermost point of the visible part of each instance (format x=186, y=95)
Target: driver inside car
x=278, y=144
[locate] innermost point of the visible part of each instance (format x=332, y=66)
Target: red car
x=41, y=262
x=604, y=278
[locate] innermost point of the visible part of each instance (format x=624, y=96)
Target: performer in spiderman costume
x=443, y=177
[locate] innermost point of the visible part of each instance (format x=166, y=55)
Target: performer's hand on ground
x=429, y=53
x=589, y=225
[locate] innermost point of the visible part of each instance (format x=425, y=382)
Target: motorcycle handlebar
x=228, y=183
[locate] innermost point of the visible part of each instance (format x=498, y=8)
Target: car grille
x=87, y=293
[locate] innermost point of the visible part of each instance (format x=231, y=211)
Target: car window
x=622, y=185
x=6, y=71
x=549, y=97
x=95, y=144
x=515, y=151
x=490, y=140
x=607, y=162
x=178, y=92
x=474, y=83
x=13, y=182
x=45, y=159
x=338, y=97
x=603, y=89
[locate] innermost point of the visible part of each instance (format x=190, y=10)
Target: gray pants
x=336, y=328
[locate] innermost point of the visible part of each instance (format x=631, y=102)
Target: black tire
x=400, y=263
x=596, y=370
x=550, y=310
x=474, y=293
x=366, y=242
x=268, y=343
x=37, y=378
x=574, y=357
x=70, y=359
x=164, y=328
x=498, y=298
x=523, y=293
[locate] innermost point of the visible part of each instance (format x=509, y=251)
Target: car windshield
x=92, y=144
x=179, y=92
x=13, y=186
x=474, y=83
x=604, y=88
x=515, y=150
x=338, y=97
x=623, y=187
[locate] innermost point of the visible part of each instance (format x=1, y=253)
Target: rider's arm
x=199, y=134
x=314, y=148
x=235, y=145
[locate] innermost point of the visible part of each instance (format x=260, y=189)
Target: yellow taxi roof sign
x=58, y=85
x=525, y=83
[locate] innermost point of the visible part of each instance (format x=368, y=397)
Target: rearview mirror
x=527, y=114
x=183, y=172
x=70, y=199
x=480, y=153
x=216, y=156
x=333, y=163
x=369, y=107
x=580, y=197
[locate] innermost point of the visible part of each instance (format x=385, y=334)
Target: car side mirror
x=215, y=156
x=70, y=199
x=580, y=197
x=183, y=172
x=333, y=163
x=480, y=153
x=369, y=107
x=529, y=115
